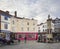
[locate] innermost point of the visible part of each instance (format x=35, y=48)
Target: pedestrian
x=39, y=38
x=7, y=40
x=25, y=39
x=1, y=39
x=4, y=40
x=19, y=40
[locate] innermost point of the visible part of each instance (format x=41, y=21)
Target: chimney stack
x=15, y=13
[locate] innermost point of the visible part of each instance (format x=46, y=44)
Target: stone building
x=11, y=25
x=56, y=34
x=46, y=29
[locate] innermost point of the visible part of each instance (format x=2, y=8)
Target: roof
x=24, y=18
x=56, y=19
x=41, y=24
x=5, y=13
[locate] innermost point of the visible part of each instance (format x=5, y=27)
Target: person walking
x=25, y=39
x=39, y=38
x=1, y=39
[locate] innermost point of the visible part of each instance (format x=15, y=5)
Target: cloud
x=38, y=9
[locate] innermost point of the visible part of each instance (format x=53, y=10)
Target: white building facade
x=57, y=25
x=5, y=24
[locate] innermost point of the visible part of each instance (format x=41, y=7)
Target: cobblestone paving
x=32, y=45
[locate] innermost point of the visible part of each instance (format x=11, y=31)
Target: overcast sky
x=38, y=9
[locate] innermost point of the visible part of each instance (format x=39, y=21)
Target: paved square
x=32, y=45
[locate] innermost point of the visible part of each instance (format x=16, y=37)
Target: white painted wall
x=3, y=21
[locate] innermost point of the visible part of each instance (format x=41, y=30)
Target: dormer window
x=6, y=18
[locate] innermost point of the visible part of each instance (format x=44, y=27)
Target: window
x=38, y=27
x=33, y=28
x=28, y=23
x=33, y=23
x=28, y=29
x=50, y=30
x=46, y=30
x=6, y=26
x=22, y=28
x=13, y=21
x=43, y=26
x=6, y=18
x=43, y=30
x=38, y=31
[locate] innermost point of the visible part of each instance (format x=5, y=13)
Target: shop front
x=56, y=37
x=5, y=34
x=29, y=36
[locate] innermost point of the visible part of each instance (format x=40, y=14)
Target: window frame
x=5, y=18
x=6, y=26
